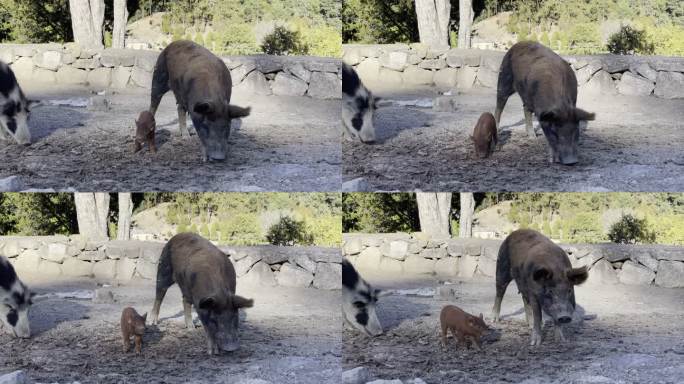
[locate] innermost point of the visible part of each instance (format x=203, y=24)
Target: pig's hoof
x=536, y=339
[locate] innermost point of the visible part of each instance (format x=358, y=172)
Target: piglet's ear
x=241, y=302
x=236, y=112
x=144, y=317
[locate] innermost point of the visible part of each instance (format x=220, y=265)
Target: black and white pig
x=15, y=301
x=14, y=108
x=202, y=85
x=544, y=276
x=357, y=107
x=358, y=301
x=206, y=278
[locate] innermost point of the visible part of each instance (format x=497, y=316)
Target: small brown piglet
x=462, y=325
x=132, y=324
x=484, y=135
x=144, y=131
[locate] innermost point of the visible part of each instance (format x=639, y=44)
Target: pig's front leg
x=536, y=337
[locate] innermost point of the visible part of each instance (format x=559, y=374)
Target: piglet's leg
x=138, y=344
x=150, y=142
x=126, y=342
x=558, y=329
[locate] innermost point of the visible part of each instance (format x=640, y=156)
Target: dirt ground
x=289, y=336
x=635, y=144
x=286, y=144
x=630, y=335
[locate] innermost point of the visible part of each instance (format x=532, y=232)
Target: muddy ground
x=286, y=144
x=635, y=144
x=631, y=335
x=289, y=336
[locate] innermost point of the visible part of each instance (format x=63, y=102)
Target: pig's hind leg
x=164, y=281
x=503, y=278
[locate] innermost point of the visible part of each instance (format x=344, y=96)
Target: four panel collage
x=341, y=191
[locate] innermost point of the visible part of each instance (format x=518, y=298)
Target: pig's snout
x=564, y=319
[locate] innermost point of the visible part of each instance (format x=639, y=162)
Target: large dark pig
x=14, y=108
x=544, y=276
x=548, y=88
x=357, y=107
x=206, y=278
x=202, y=85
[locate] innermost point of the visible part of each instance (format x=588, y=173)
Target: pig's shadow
x=394, y=309
x=389, y=121
x=505, y=131
x=47, y=314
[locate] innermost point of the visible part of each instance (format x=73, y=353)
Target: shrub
x=235, y=39
x=630, y=230
x=283, y=41
x=628, y=41
x=288, y=231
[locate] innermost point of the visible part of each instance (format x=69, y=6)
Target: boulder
x=325, y=85
x=396, y=60
x=669, y=85
x=105, y=269
x=646, y=260
x=466, y=77
x=240, y=72
x=70, y=75
x=419, y=49
x=151, y=252
x=369, y=258
x=585, y=73
x=77, y=268
x=146, y=269
x=616, y=63
x=447, y=266
x=48, y=268
x=100, y=77
x=467, y=266
x=293, y=276
x=446, y=78
x=86, y=63
x=455, y=249
x=670, y=274
x=117, y=249
x=56, y=252
x=391, y=77
x=113, y=57
x=418, y=264
x=28, y=261
x=417, y=246
x=358, y=375
x=288, y=85
x=328, y=276
x=360, y=184
x=49, y=60
x=260, y=274
x=16, y=377
x=487, y=78
x=23, y=68
x=298, y=70
x=602, y=273
x=304, y=262
x=353, y=246
x=391, y=265
x=433, y=64
x=269, y=64
x=417, y=76
x=600, y=83
x=635, y=274
x=141, y=77
x=369, y=69
x=125, y=268
x=243, y=265
x=634, y=85
x=41, y=75
x=457, y=58
x=255, y=82
x=486, y=266
x=396, y=249
x=645, y=71
x=7, y=55
x=615, y=253
x=11, y=184
x=352, y=57
x=145, y=60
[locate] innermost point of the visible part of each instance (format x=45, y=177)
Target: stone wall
x=415, y=64
x=609, y=263
x=76, y=256
x=315, y=77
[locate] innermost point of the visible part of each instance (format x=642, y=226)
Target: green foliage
x=107, y=39
x=35, y=21
x=631, y=230
x=289, y=231
x=283, y=41
x=628, y=41
x=380, y=212
x=34, y=214
x=379, y=21
x=321, y=40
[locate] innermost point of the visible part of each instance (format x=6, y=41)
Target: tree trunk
x=465, y=22
x=465, y=225
x=120, y=19
x=433, y=22
x=87, y=17
x=433, y=212
x=123, y=231
x=91, y=213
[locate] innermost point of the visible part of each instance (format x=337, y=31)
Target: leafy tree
x=34, y=214
x=631, y=230
x=289, y=231
x=283, y=41
x=628, y=41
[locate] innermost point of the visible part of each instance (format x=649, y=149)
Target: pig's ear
x=376, y=100
x=541, y=274
x=207, y=303
x=236, y=112
x=203, y=108
x=578, y=275
x=241, y=302
x=144, y=317
x=549, y=116
x=582, y=115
